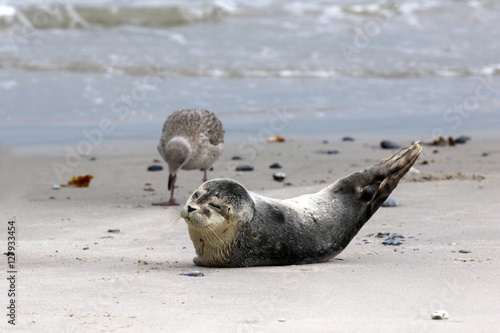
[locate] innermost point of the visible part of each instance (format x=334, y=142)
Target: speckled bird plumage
x=191, y=139
x=202, y=129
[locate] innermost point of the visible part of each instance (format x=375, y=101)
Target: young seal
x=231, y=227
x=191, y=139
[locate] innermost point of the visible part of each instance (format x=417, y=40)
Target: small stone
x=114, y=230
x=52, y=198
x=394, y=236
x=93, y=158
x=193, y=273
x=86, y=248
x=485, y=154
x=414, y=170
x=347, y=138
x=279, y=176
x=389, y=145
x=155, y=168
x=462, y=139
x=282, y=320
x=244, y=167
x=236, y=158
x=439, y=314
x=382, y=234
x=392, y=242
x=325, y=142
x=275, y=166
x=332, y=152
x=389, y=202
x=156, y=160
x=56, y=187
x=276, y=138
x=463, y=251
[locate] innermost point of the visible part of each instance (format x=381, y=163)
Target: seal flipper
x=358, y=196
x=381, y=179
x=376, y=183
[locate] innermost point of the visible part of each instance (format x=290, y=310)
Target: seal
x=232, y=227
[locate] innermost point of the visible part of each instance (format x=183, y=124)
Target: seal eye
x=196, y=195
x=214, y=206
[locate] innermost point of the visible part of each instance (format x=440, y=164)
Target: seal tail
x=381, y=179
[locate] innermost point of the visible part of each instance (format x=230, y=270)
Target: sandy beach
x=73, y=275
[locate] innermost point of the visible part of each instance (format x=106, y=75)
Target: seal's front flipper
x=380, y=180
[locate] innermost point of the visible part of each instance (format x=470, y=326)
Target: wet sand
x=75, y=276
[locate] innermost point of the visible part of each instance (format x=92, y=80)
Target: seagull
x=191, y=139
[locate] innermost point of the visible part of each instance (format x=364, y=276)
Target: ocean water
x=298, y=68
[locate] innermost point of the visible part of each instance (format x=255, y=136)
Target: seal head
x=214, y=213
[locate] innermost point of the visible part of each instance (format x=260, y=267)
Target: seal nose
x=191, y=209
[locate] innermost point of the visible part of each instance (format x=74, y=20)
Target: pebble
x=275, y=166
x=485, y=154
x=386, y=144
x=56, y=187
x=394, y=236
x=155, y=168
x=393, y=242
x=276, y=138
x=389, y=202
x=347, y=138
x=332, y=152
x=462, y=139
x=236, y=158
x=463, y=251
x=114, y=230
x=279, y=176
x=193, y=273
x=414, y=170
x=93, y=158
x=439, y=314
x=244, y=167
x=382, y=234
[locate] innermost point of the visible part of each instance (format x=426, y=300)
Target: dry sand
x=75, y=276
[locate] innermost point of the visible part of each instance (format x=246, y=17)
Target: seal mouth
x=191, y=219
